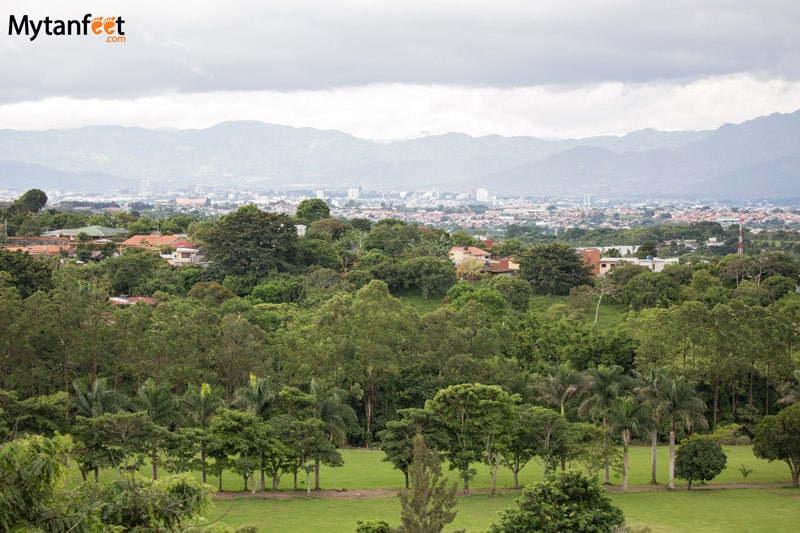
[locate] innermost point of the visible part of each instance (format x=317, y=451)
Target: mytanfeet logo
x=109, y=27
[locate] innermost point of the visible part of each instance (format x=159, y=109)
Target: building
x=656, y=264
x=470, y=261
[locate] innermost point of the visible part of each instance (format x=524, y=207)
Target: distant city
x=478, y=211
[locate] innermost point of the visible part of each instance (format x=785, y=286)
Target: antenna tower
x=740, y=249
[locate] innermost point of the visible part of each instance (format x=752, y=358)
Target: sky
x=397, y=69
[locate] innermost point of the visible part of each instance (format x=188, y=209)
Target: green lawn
x=768, y=509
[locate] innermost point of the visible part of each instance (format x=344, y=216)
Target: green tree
x=778, y=439
x=430, y=275
x=515, y=290
x=565, y=501
x=26, y=273
x=199, y=405
x=523, y=442
x=397, y=440
x=239, y=349
x=383, y=334
x=680, y=404
x=478, y=418
x=31, y=201
x=562, y=384
x=251, y=243
x=138, y=272
x=161, y=406
x=607, y=385
x=428, y=506
x=32, y=495
x=649, y=289
x=311, y=210
x=700, y=459
x=626, y=419
x=553, y=268
x=329, y=404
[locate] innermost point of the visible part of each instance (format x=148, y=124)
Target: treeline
x=324, y=307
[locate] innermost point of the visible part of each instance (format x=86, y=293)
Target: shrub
x=699, y=459
x=565, y=501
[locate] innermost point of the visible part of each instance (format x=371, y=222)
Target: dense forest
x=283, y=347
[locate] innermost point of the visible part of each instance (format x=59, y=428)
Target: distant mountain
x=755, y=159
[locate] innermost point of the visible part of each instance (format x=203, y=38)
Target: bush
x=565, y=501
x=699, y=459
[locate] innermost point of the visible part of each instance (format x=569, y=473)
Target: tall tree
x=682, y=406
x=330, y=405
x=199, y=405
x=398, y=439
x=428, y=507
x=311, y=210
x=778, y=438
x=562, y=384
x=553, y=268
x=626, y=419
x=161, y=406
x=478, y=418
x=383, y=336
x=607, y=385
x=250, y=242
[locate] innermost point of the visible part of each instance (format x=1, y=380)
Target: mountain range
x=757, y=159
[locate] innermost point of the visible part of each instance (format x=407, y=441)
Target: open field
x=360, y=493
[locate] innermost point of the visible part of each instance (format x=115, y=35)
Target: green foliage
x=397, y=440
x=700, y=459
x=553, y=268
x=428, y=506
x=778, y=438
x=311, y=210
x=26, y=273
x=250, y=242
x=169, y=504
x=565, y=501
x=432, y=276
x=517, y=292
x=477, y=417
x=373, y=526
x=32, y=496
x=649, y=289
x=140, y=272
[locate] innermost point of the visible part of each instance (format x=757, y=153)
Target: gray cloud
x=241, y=45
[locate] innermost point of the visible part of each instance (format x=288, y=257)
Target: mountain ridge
x=642, y=164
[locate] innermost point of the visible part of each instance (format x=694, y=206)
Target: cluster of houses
x=471, y=261
x=178, y=250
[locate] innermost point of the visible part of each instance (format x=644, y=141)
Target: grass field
x=770, y=507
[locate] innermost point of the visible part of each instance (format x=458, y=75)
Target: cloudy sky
x=390, y=69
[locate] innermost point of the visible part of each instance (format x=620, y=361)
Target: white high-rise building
x=320, y=194
x=482, y=195
x=353, y=193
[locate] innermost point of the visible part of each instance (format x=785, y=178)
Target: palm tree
x=648, y=390
x=97, y=400
x=200, y=405
x=680, y=403
x=258, y=396
x=161, y=406
x=330, y=406
x=626, y=419
x=607, y=384
x=562, y=385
